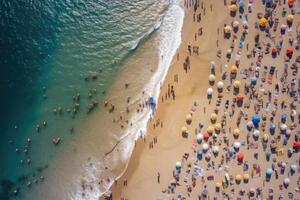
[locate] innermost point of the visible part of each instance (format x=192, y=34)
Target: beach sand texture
x=150, y=157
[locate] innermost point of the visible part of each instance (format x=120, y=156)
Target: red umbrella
x=240, y=157
x=296, y=145
x=274, y=50
x=289, y=51
x=239, y=97
x=206, y=136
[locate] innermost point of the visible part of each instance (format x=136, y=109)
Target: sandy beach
x=151, y=172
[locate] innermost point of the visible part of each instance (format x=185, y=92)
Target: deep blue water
x=48, y=49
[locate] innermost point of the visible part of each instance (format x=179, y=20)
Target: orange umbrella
x=291, y=2
x=233, y=69
x=206, y=136
x=239, y=97
x=289, y=51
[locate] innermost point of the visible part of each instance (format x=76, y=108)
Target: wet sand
x=150, y=158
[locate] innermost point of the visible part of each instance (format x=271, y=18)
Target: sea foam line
x=170, y=39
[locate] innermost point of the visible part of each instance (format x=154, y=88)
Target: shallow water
x=54, y=50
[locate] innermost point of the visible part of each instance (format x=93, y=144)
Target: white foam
x=170, y=39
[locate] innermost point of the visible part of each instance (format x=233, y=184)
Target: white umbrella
x=220, y=85
x=286, y=181
x=256, y=133
x=283, y=127
x=237, y=145
x=212, y=78
x=215, y=149
x=205, y=146
x=209, y=91
x=199, y=137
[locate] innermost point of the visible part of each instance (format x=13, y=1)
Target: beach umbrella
x=253, y=80
x=217, y=127
x=178, y=165
x=199, y=153
x=184, y=129
x=288, y=133
x=240, y=97
x=189, y=118
x=215, y=149
x=236, y=132
x=293, y=168
x=289, y=51
x=238, y=178
x=205, y=146
x=256, y=120
x=227, y=29
x=236, y=84
x=256, y=133
x=296, y=145
x=272, y=128
x=236, y=145
x=206, y=136
x=291, y=3
x=283, y=127
x=209, y=91
x=212, y=64
x=236, y=23
x=213, y=117
x=286, y=182
x=212, y=78
x=283, y=117
x=240, y=157
x=210, y=130
x=220, y=85
x=283, y=26
x=252, y=191
x=218, y=185
x=199, y=137
x=265, y=138
x=246, y=177
x=232, y=8
x=233, y=69
x=262, y=22
x=274, y=50
x=250, y=125
x=290, y=18
x=269, y=172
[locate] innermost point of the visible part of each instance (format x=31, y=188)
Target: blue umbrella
x=253, y=81
x=272, y=128
x=283, y=117
x=199, y=153
x=269, y=172
x=256, y=120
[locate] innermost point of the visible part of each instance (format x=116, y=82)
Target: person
x=158, y=178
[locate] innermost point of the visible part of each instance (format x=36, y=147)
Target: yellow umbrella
x=233, y=69
x=290, y=18
x=217, y=127
x=236, y=84
x=236, y=132
x=213, y=117
x=246, y=177
x=189, y=118
x=183, y=129
x=210, y=130
x=227, y=29
x=232, y=8
x=263, y=22
x=265, y=137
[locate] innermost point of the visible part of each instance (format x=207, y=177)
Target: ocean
x=60, y=60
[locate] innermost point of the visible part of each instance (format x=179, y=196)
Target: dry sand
x=145, y=163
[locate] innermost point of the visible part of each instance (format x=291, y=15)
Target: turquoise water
x=51, y=51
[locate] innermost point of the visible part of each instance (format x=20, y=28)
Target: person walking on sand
x=158, y=178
